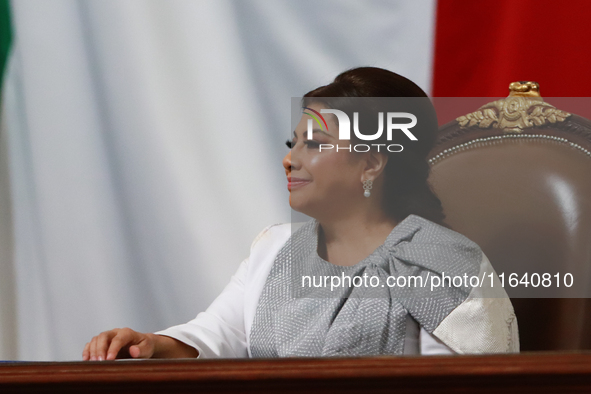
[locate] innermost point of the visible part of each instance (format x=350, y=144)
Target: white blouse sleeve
x=219, y=331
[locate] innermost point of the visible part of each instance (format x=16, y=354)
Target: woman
x=376, y=220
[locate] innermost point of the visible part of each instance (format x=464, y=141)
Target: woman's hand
x=126, y=343
x=109, y=344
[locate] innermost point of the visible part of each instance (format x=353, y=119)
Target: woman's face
x=323, y=183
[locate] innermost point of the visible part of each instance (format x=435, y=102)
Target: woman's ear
x=375, y=163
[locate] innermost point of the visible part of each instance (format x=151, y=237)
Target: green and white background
x=141, y=146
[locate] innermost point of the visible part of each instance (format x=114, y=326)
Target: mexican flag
x=141, y=140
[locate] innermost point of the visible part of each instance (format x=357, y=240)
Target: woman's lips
x=294, y=183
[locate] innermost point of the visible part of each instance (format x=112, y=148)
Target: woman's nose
x=287, y=162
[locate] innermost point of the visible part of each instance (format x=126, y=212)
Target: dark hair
x=406, y=190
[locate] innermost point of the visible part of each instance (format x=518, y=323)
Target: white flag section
x=145, y=140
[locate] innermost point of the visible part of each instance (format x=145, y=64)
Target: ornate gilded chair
x=515, y=177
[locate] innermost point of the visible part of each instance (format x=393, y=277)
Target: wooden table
x=525, y=373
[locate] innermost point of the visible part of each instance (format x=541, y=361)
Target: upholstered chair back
x=515, y=177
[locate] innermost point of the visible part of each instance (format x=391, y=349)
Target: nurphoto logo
x=345, y=129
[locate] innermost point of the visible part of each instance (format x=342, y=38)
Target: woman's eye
x=308, y=143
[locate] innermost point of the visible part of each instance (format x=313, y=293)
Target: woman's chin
x=294, y=206
x=297, y=205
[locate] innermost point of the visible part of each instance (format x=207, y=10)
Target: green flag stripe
x=5, y=36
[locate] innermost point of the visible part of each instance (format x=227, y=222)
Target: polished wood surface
x=525, y=373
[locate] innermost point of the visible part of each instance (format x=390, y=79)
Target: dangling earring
x=367, y=184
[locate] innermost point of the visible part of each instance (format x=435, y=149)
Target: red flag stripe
x=482, y=46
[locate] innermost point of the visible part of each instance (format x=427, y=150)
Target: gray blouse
x=310, y=307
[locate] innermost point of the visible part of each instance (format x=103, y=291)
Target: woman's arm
x=217, y=332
